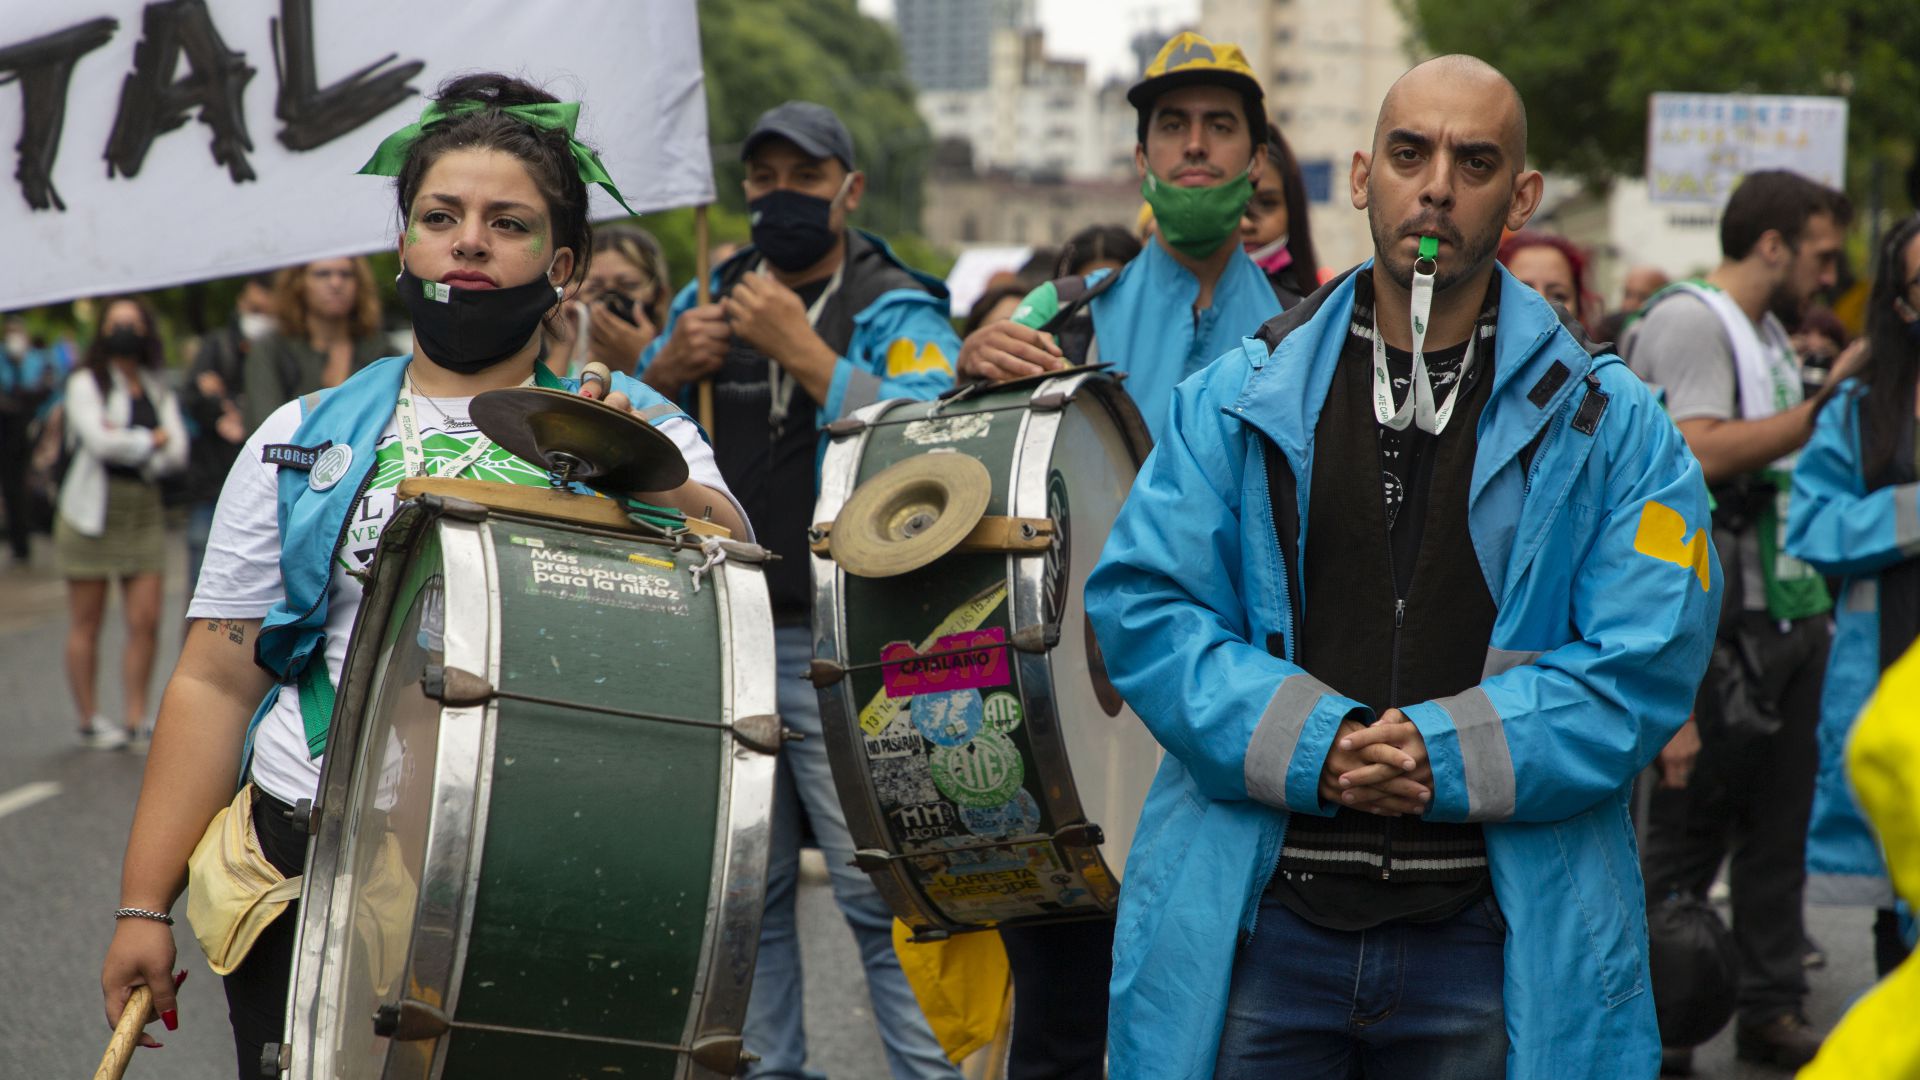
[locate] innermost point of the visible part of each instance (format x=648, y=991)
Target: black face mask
x=468, y=331
x=791, y=228
x=124, y=341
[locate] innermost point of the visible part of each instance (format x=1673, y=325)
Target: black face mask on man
x=468, y=331
x=792, y=229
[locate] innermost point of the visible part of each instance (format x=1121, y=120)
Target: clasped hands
x=1380, y=768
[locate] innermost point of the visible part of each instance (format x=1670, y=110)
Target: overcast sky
x=1096, y=31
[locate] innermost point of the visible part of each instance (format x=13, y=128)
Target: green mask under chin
x=1196, y=220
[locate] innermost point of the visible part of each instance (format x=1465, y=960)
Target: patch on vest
x=1548, y=385
x=291, y=456
x=1587, y=420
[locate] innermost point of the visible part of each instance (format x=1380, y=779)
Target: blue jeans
x=1406, y=1001
x=776, y=1028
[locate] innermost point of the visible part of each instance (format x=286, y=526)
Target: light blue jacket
x=1144, y=325
x=902, y=347
x=313, y=523
x=1607, y=589
x=1843, y=530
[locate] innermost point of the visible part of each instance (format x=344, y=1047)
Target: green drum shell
x=952, y=838
x=586, y=901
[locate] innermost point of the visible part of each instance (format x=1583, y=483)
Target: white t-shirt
x=240, y=578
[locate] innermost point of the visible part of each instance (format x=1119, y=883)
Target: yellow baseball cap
x=1188, y=59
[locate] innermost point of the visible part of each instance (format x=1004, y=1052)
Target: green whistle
x=1429, y=247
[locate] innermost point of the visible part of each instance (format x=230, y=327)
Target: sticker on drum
x=984, y=773
x=947, y=429
x=970, y=660
x=904, y=781
x=1002, y=712
x=950, y=719
x=1019, y=817
x=897, y=739
x=883, y=708
x=925, y=823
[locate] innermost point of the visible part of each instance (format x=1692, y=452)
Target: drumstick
x=703, y=393
x=126, y=1035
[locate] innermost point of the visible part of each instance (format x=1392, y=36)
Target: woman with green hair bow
x=492, y=192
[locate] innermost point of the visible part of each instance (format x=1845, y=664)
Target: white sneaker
x=103, y=734
x=139, y=740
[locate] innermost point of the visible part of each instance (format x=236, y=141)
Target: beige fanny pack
x=233, y=892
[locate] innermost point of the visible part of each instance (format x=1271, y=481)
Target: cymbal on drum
x=579, y=439
x=910, y=514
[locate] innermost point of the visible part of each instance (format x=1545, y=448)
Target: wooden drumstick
x=126, y=1035
x=702, y=288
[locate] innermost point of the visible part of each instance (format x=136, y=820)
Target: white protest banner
x=1700, y=145
x=153, y=143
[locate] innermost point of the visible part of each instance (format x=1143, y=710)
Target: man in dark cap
x=810, y=322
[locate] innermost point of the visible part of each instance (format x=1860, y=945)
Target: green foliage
x=759, y=53
x=1586, y=70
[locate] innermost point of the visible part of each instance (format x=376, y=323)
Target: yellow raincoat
x=1877, y=1039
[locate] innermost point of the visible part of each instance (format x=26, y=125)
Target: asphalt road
x=64, y=813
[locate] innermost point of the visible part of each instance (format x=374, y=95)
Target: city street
x=64, y=813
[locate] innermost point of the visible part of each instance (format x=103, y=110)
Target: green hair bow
x=391, y=156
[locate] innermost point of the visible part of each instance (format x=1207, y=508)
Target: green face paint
x=413, y=235
x=539, y=244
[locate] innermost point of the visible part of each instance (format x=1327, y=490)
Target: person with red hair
x=1551, y=266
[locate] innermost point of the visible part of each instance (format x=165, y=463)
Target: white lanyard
x=1419, y=406
x=780, y=384
x=411, y=453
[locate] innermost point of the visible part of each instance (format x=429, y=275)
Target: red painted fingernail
x=171, y=1018
x=156, y=1046
x=179, y=977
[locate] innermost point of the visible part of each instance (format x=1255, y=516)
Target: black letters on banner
x=152, y=103
x=316, y=116
x=44, y=67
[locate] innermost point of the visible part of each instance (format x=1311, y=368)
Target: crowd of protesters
x=1801, y=427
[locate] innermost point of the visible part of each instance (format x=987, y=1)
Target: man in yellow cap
x=1192, y=292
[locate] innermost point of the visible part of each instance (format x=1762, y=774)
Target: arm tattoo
x=234, y=629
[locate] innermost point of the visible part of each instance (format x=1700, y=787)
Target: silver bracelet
x=142, y=913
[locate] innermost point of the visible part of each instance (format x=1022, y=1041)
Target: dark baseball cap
x=811, y=127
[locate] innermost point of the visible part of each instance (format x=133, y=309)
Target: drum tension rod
x=823, y=673
x=1079, y=834
x=853, y=425
x=305, y=819
x=459, y=689
x=411, y=1021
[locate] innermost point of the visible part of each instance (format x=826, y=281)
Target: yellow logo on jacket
x=1663, y=536
x=904, y=357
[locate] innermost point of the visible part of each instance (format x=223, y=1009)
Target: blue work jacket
x=1596, y=550
x=902, y=346
x=1843, y=530
x=1144, y=323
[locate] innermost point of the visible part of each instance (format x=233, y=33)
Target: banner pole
x=704, y=292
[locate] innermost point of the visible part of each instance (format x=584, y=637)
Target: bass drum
x=989, y=771
x=541, y=841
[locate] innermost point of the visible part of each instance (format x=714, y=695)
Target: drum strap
x=316, y=705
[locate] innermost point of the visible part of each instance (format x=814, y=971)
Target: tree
x=1586, y=70
x=759, y=53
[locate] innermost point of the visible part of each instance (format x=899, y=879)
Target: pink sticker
x=972, y=660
